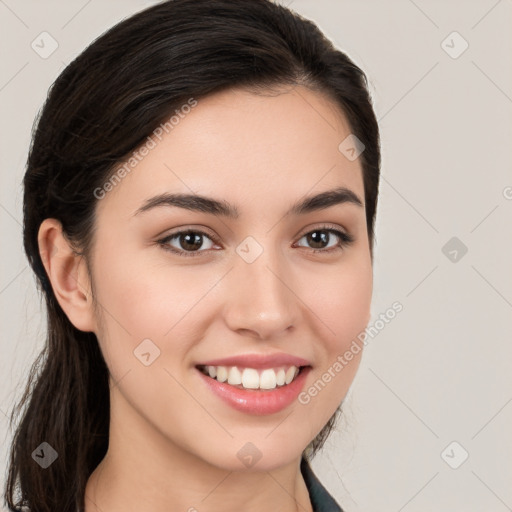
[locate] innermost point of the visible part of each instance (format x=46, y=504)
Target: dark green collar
x=321, y=500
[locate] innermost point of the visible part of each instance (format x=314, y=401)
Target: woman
x=199, y=205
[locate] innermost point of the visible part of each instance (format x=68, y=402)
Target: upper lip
x=258, y=361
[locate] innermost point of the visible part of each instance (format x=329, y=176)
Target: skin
x=173, y=444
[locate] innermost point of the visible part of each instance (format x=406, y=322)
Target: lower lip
x=256, y=401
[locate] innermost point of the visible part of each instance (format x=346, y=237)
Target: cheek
x=146, y=299
x=149, y=298
x=341, y=307
x=341, y=301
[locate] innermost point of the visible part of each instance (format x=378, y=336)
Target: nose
x=260, y=299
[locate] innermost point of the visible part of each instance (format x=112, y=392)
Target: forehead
x=247, y=148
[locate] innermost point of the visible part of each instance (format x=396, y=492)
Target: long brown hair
x=99, y=110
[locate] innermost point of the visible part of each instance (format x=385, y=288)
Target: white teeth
x=222, y=374
x=268, y=379
x=290, y=374
x=234, y=377
x=251, y=378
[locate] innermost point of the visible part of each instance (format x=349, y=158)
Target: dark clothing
x=321, y=500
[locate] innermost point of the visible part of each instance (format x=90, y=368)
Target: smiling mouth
x=266, y=379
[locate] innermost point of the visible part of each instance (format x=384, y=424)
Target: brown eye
x=191, y=242
x=188, y=242
x=320, y=238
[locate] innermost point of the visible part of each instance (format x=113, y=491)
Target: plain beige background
x=434, y=386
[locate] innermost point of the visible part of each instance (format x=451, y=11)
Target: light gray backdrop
x=428, y=419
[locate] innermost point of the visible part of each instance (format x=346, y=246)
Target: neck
x=144, y=470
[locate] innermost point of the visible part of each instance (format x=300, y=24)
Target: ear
x=68, y=275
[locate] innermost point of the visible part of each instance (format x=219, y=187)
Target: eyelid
x=163, y=241
x=326, y=226
x=345, y=239
x=344, y=236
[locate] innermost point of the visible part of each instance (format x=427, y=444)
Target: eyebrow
x=198, y=203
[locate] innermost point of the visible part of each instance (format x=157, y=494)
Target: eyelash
x=345, y=240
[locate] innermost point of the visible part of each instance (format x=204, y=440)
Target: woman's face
x=243, y=285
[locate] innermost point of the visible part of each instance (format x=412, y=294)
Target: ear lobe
x=68, y=275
